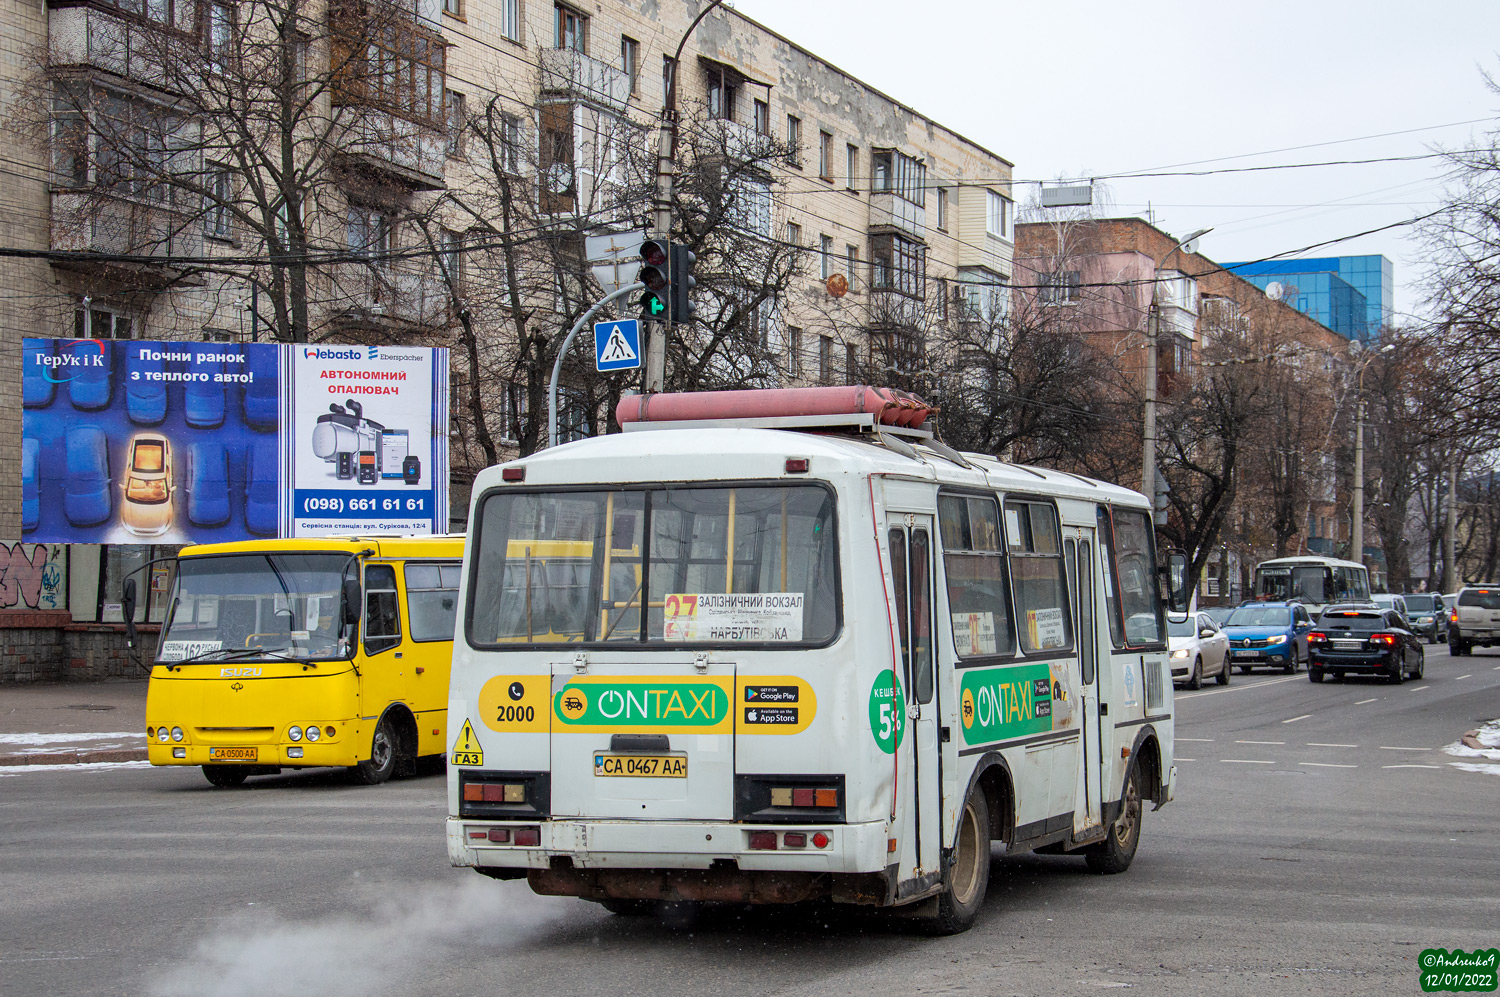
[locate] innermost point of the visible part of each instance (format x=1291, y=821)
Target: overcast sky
x=1088, y=88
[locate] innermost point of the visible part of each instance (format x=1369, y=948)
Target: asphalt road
x=1320, y=840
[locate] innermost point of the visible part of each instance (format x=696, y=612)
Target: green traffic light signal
x=654, y=306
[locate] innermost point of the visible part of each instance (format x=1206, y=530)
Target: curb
x=75, y=756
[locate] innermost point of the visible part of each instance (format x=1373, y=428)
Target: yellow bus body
x=239, y=713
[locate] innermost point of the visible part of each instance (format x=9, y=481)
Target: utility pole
x=1450, y=534
x=1357, y=527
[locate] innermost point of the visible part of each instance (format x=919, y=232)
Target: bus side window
x=974, y=568
x=1107, y=571
x=1036, y=574
x=921, y=615
x=898, y=589
x=382, y=609
x=431, y=600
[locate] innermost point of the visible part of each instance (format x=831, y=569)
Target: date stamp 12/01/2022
x=1459, y=971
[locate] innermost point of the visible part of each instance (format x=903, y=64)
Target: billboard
x=135, y=441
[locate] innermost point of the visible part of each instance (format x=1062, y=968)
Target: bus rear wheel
x=225, y=775
x=1115, y=852
x=968, y=877
x=382, y=761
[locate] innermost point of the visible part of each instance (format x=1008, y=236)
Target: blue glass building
x=1332, y=290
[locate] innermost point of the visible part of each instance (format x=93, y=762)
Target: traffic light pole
x=563, y=351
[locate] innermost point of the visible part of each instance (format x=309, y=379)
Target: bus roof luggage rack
x=857, y=408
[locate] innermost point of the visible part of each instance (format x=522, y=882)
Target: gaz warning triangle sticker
x=467, y=750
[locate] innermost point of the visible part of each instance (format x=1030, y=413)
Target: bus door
x=918, y=768
x=381, y=661
x=1089, y=789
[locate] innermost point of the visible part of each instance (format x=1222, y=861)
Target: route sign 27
x=617, y=345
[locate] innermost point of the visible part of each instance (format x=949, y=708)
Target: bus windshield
x=1305, y=583
x=283, y=603
x=711, y=566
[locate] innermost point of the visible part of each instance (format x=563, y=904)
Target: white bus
x=1313, y=581
x=778, y=665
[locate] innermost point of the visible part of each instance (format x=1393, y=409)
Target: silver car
x=1199, y=649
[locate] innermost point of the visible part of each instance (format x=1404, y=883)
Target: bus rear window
x=710, y=566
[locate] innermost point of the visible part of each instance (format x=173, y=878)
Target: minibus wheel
x=1116, y=851
x=382, y=761
x=225, y=775
x=968, y=875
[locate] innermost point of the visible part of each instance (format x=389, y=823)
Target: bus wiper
x=230, y=652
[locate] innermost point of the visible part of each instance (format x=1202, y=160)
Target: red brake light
x=763, y=841
x=1389, y=639
x=794, y=839
x=527, y=836
x=513, y=474
x=500, y=835
x=820, y=840
x=796, y=465
x=1315, y=635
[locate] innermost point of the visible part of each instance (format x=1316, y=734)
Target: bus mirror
x=1177, y=582
x=352, y=601
x=127, y=610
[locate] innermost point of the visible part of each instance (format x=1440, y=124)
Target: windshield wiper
x=232, y=652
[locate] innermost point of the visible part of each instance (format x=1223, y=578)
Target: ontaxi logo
x=70, y=360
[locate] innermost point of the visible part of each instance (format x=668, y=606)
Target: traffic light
x=1159, y=501
x=683, y=282
x=654, y=274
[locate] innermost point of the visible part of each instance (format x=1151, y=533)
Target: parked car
x=86, y=488
x=259, y=398
x=1425, y=613
x=207, y=485
x=1268, y=633
x=1364, y=641
x=260, y=488
x=91, y=384
x=145, y=391
x=36, y=390
x=31, y=483
x=1475, y=619
x=146, y=509
x=1199, y=649
x=203, y=401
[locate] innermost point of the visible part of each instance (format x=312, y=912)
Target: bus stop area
x=73, y=724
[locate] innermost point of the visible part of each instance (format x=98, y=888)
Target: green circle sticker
x=887, y=711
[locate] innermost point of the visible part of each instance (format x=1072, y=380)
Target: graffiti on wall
x=33, y=576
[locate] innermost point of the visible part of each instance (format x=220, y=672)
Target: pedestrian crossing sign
x=617, y=345
x=467, y=750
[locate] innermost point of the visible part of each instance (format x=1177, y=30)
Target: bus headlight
x=177, y=733
x=313, y=733
x=162, y=734
x=294, y=733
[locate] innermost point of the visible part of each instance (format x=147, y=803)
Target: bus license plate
x=640, y=766
x=234, y=754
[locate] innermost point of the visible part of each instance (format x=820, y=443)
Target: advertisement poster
x=134, y=441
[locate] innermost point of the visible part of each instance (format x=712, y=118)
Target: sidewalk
x=73, y=723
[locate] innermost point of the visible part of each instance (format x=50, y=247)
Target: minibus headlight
x=162, y=734
x=177, y=733
x=294, y=733
x=313, y=733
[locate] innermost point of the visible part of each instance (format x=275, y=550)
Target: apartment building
x=156, y=190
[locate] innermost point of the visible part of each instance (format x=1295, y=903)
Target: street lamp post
x=1357, y=526
x=1148, y=443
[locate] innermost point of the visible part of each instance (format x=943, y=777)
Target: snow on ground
x=1486, y=759
x=44, y=739
x=9, y=770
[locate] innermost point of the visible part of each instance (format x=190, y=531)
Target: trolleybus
x=814, y=653
x=1313, y=581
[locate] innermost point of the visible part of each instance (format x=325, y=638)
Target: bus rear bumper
x=667, y=845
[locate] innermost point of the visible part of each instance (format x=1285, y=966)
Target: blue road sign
x=617, y=345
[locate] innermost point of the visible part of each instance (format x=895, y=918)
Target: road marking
x=1364, y=701
x=1295, y=719
x=1462, y=677
x=1328, y=765
x=1246, y=761
x=1411, y=766
x=1204, y=740
x=1260, y=742
x=1420, y=688
x=1387, y=747
x=1184, y=759
x=1237, y=688
x=1320, y=744
x=1495, y=669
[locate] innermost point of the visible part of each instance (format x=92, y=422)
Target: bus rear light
x=820, y=840
x=473, y=792
x=804, y=797
x=826, y=798
x=515, y=792
x=513, y=474
x=478, y=834
x=527, y=837
x=764, y=841
x=794, y=839
x=796, y=465
x=500, y=835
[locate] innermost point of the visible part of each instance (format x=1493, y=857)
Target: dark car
x=1364, y=642
x=1427, y=615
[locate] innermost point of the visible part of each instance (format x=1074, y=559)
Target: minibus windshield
x=284, y=603
x=711, y=566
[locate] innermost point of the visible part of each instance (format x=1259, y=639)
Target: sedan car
x=1427, y=615
x=86, y=491
x=1268, y=633
x=1199, y=649
x=1364, y=641
x=147, y=507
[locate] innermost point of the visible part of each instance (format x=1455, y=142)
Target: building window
x=721, y=96
x=794, y=233
x=369, y=232
x=510, y=19
x=825, y=156
x=457, y=118
x=452, y=260
x=825, y=359
x=750, y=207
x=70, y=144
x=762, y=118
x=1058, y=288
x=794, y=351
x=942, y=296
x=102, y=322
x=570, y=30
x=942, y=209
x=851, y=361
x=453, y=8
x=997, y=217
x=401, y=68
x=892, y=172
x=794, y=141
x=217, y=213
x=510, y=144
x=825, y=256
x=851, y=261
x=898, y=264
x=220, y=34
x=630, y=60
x=851, y=166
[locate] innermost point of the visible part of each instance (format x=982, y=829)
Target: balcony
x=575, y=75
x=91, y=37
x=889, y=212
x=387, y=301
x=84, y=223
x=379, y=142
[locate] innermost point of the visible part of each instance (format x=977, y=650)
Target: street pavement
x=1322, y=837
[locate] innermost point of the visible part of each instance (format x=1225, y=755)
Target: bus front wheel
x=969, y=875
x=225, y=775
x=1116, y=851
x=382, y=761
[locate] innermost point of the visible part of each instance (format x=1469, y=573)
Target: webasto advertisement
x=178, y=442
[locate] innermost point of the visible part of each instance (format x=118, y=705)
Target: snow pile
x=1482, y=745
